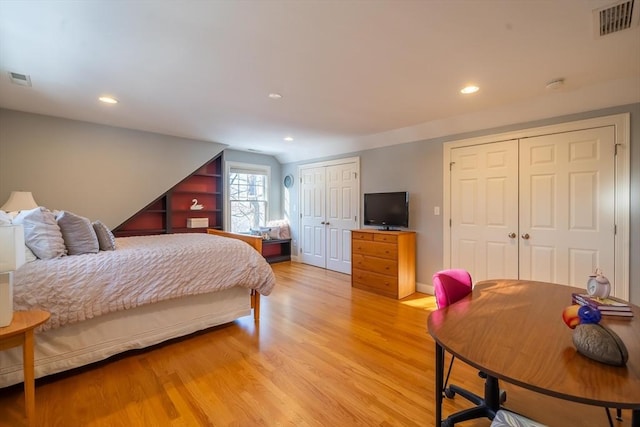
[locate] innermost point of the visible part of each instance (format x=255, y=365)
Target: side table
x=20, y=332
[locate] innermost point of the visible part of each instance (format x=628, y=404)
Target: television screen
x=387, y=209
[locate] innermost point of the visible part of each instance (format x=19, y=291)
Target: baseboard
x=424, y=288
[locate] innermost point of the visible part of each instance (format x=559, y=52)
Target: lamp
x=11, y=258
x=18, y=201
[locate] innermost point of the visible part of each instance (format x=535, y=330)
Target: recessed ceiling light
x=469, y=89
x=288, y=138
x=108, y=100
x=275, y=95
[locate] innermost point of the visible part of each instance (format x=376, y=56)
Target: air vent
x=614, y=18
x=20, y=79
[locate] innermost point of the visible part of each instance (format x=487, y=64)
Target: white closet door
x=313, y=234
x=341, y=215
x=567, y=199
x=484, y=210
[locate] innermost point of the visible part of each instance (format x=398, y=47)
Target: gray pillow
x=78, y=234
x=106, y=239
x=41, y=233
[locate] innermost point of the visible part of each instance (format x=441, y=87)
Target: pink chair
x=450, y=287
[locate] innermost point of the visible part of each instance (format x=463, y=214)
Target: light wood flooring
x=323, y=354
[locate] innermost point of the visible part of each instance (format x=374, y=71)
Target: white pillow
x=106, y=239
x=283, y=224
x=41, y=233
x=78, y=234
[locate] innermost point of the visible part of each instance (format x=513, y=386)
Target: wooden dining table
x=513, y=331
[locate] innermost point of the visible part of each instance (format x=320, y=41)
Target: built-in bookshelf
x=171, y=212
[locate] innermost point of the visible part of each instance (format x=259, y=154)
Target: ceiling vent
x=614, y=18
x=20, y=79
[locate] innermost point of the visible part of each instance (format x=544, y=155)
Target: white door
x=312, y=212
x=329, y=199
x=341, y=215
x=550, y=218
x=567, y=199
x=484, y=210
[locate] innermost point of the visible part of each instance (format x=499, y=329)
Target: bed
x=150, y=289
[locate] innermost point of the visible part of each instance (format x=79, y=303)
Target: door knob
x=323, y=223
x=328, y=223
x=512, y=235
x=525, y=236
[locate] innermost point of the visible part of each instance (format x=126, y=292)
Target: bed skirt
x=96, y=339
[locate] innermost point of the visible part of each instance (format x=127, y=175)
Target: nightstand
x=20, y=332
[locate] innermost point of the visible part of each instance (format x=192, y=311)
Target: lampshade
x=19, y=201
x=11, y=247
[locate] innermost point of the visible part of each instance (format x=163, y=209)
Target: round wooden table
x=513, y=330
x=20, y=332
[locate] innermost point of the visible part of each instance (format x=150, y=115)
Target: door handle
x=323, y=223
x=328, y=223
x=512, y=235
x=525, y=236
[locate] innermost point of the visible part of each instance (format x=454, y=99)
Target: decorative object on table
x=598, y=285
x=195, y=206
x=11, y=258
x=607, y=306
x=19, y=201
x=593, y=340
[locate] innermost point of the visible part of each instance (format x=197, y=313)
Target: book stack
x=606, y=306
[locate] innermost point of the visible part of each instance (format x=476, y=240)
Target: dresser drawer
x=376, y=249
x=358, y=235
x=375, y=264
x=389, y=238
x=370, y=281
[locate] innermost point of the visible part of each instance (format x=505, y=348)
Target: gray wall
x=417, y=167
x=97, y=171
x=110, y=173
x=275, y=186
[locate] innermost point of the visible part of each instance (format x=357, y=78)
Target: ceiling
x=352, y=74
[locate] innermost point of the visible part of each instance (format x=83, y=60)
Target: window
x=248, y=196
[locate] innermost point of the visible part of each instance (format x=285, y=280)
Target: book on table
x=607, y=306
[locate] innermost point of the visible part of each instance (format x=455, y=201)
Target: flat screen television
x=387, y=210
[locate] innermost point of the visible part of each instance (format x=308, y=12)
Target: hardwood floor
x=323, y=354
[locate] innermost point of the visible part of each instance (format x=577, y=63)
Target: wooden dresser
x=384, y=262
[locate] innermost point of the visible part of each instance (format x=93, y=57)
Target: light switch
x=436, y=210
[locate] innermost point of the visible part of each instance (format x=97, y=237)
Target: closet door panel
x=313, y=239
x=484, y=214
x=342, y=210
x=566, y=206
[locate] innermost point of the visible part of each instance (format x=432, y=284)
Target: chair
x=451, y=286
x=506, y=418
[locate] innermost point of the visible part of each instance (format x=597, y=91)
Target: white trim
x=425, y=288
x=621, y=123
x=228, y=165
x=331, y=163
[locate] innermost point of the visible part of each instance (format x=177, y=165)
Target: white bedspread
x=141, y=270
